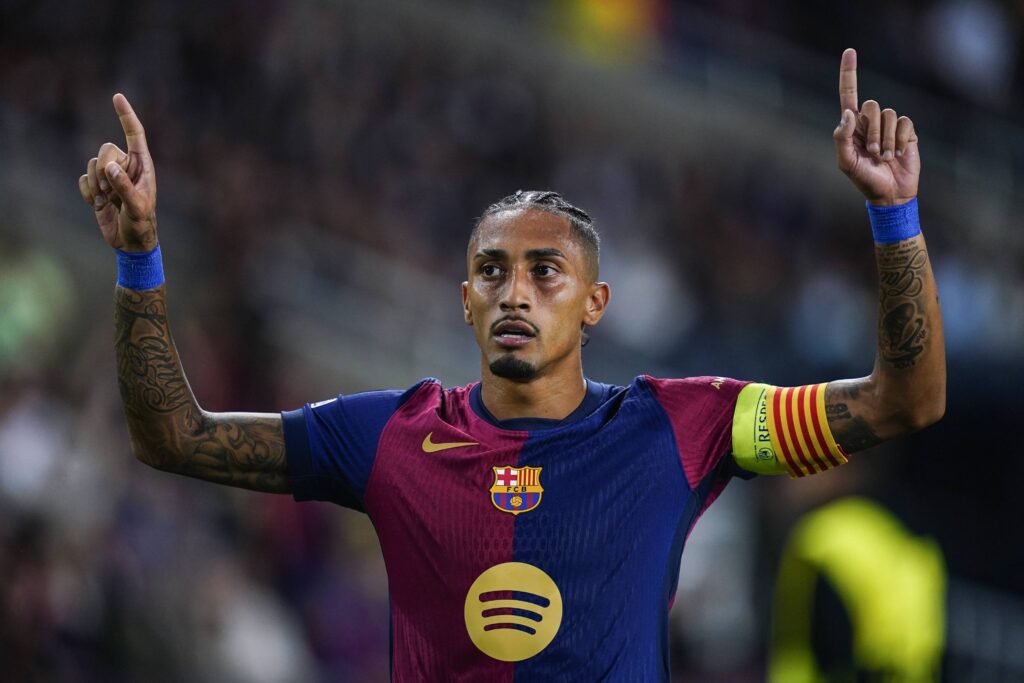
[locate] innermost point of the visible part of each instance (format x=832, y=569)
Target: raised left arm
x=906, y=390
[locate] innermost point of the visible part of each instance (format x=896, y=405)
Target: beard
x=515, y=369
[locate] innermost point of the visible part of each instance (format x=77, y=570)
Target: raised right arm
x=168, y=429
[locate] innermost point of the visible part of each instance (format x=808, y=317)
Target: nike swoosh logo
x=431, y=447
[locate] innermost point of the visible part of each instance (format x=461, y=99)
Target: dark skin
x=906, y=390
x=531, y=289
x=526, y=265
x=168, y=429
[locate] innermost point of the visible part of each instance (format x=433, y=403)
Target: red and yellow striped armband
x=783, y=429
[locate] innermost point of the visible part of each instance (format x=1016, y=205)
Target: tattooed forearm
x=903, y=326
x=909, y=381
x=168, y=428
x=148, y=371
x=907, y=389
x=852, y=432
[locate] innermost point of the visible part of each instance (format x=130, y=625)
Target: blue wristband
x=892, y=224
x=139, y=271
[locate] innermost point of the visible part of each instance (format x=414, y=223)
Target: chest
x=583, y=493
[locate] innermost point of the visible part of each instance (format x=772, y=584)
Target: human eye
x=490, y=270
x=544, y=270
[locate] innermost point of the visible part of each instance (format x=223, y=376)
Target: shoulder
x=707, y=391
x=429, y=391
x=430, y=396
x=367, y=405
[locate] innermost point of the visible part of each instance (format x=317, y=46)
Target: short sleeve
x=331, y=445
x=700, y=410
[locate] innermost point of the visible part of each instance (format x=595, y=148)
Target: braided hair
x=545, y=200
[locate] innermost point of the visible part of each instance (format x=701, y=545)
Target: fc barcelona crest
x=516, y=489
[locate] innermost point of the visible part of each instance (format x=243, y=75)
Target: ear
x=467, y=315
x=597, y=302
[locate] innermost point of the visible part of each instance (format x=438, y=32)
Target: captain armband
x=783, y=429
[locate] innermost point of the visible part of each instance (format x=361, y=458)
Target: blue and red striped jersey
x=527, y=549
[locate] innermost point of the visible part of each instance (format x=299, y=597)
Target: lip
x=513, y=333
x=512, y=341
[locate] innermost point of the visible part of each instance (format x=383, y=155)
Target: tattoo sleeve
x=168, y=428
x=852, y=432
x=906, y=390
x=903, y=325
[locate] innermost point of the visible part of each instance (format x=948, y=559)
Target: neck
x=552, y=396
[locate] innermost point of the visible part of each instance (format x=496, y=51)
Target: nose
x=517, y=292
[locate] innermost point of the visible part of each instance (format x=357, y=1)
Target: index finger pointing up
x=848, y=81
x=134, y=134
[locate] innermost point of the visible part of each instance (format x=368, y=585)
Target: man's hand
x=877, y=150
x=121, y=187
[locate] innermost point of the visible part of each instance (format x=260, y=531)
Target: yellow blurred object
x=612, y=30
x=891, y=583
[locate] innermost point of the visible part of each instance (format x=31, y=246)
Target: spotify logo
x=513, y=611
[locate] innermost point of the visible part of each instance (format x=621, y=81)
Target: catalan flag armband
x=783, y=429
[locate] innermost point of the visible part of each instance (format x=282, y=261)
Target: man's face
x=529, y=293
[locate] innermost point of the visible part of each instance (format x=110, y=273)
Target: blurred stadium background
x=320, y=163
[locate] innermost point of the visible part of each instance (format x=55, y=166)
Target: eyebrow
x=532, y=254
x=548, y=252
x=490, y=253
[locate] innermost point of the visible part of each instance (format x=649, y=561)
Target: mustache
x=514, y=318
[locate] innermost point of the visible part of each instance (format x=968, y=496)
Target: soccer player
x=532, y=523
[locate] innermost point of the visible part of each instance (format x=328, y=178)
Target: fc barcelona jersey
x=524, y=550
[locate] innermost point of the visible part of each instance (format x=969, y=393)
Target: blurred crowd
x=268, y=119
x=966, y=49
